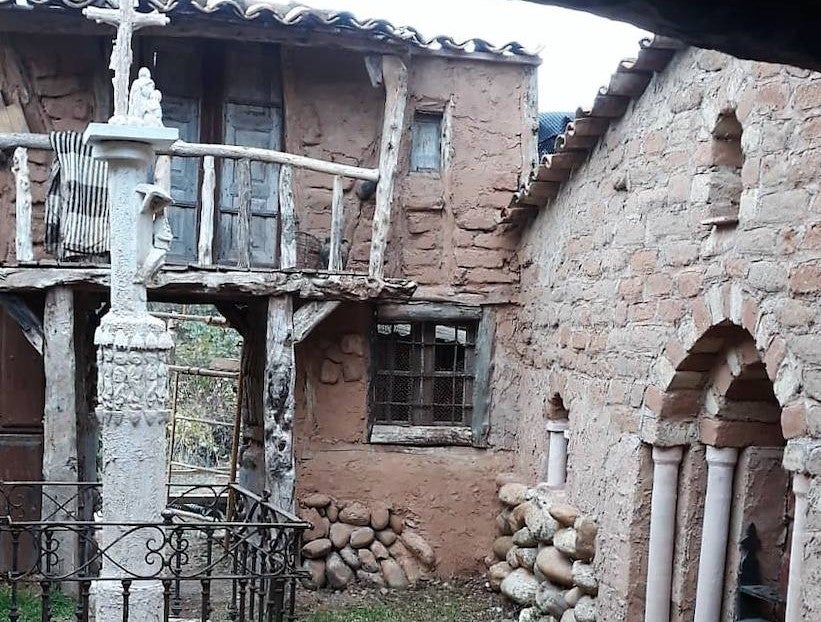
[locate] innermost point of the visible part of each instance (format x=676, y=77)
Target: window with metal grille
x=424, y=372
x=426, y=138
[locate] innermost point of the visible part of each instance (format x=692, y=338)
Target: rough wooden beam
x=310, y=315
x=28, y=322
x=395, y=75
x=337, y=226
x=278, y=403
x=287, y=212
x=205, y=244
x=22, y=182
x=373, y=65
x=60, y=462
x=421, y=311
x=310, y=285
x=434, y=435
x=243, y=242
x=482, y=376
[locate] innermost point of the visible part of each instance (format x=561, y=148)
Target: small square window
x=426, y=151
x=424, y=373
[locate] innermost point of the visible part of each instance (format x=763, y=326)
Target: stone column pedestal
x=132, y=387
x=800, y=487
x=557, y=452
x=666, y=461
x=710, y=589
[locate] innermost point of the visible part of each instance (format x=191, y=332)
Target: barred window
x=424, y=372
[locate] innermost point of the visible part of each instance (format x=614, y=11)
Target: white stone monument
x=132, y=346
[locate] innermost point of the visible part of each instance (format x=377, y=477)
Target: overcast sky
x=579, y=51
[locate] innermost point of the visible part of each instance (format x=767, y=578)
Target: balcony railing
x=210, y=158
x=206, y=564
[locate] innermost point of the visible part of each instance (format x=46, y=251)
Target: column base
x=145, y=601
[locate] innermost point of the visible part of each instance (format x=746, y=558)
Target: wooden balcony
x=237, y=219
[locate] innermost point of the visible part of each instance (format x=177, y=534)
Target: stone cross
x=127, y=21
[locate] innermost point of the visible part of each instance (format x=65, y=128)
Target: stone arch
x=717, y=325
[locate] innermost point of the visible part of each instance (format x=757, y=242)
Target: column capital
x=557, y=425
x=722, y=455
x=668, y=455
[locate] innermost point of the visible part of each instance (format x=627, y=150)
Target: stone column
x=666, y=461
x=800, y=487
x=717, y=505
x=557, y=452
x=132, y=349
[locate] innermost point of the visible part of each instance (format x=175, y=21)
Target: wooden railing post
x=395, y=77
x=337, y=226
x=287, y=249
x=22, y=182
x=205, y=243
x=243, y=176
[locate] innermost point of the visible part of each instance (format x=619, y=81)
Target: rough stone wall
x=444, y=232
x=618, y=268
x=54, y=79
x=446, y=492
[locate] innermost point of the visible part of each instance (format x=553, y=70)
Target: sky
x=579, y=51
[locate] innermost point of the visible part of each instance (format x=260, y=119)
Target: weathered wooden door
x=177, y=73
x=252, y=117
x=22, y=395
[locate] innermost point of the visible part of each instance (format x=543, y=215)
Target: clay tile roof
x=295, y=15
x=583, y=133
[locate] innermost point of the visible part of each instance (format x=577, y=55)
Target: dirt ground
x=434, y=601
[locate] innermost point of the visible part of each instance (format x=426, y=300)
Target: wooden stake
x=278, y=403
x=395, y=76
x=206, y=240
x=243, y=173
x=337, y=226
x=22, y=182
x=287, y=251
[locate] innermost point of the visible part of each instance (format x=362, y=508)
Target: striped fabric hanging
x=77, y=203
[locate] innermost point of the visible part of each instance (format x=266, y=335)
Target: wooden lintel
x=420, y=311
x=426, y=436
x=28, y=322
x=310, y=315
x=308, y=285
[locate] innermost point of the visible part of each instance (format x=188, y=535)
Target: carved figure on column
x=153, y=251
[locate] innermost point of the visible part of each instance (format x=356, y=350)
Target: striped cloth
x=77, y=201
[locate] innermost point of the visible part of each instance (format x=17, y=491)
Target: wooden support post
x=28, y=322
x=337, y=226
x=60, y=414
x=205, y=244
x=395, y=77
x=287, y=252
x=278, y=403
x=243, y=172
x=310, y=315
x=22, y=182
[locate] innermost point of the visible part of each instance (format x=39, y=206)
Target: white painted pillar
x=800, y=487
x=557, y=452
x=710, y=590
x=666, y=461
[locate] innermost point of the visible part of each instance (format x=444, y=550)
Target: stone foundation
x=542, y=557
x=353, y=542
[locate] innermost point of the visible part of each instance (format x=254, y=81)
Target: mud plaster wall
x=444, y=231
x=448, y=492
x=610, y=277
x=56, y=79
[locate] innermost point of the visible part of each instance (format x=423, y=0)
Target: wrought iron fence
x=216, y=553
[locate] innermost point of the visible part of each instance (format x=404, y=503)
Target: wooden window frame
x=428, y=116
x=471, y=433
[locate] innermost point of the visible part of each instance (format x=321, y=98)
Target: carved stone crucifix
x=127, y=21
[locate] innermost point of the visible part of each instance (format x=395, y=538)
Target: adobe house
x=288, y=117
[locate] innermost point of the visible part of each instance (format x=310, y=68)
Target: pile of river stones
x=542, y=556
x=368, y=544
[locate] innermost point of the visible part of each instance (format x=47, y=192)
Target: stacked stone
x=367, y=544
x=542, y=557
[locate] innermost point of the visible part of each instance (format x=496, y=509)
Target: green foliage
x=30, y=605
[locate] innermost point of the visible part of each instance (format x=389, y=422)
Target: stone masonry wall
x=619, y=275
